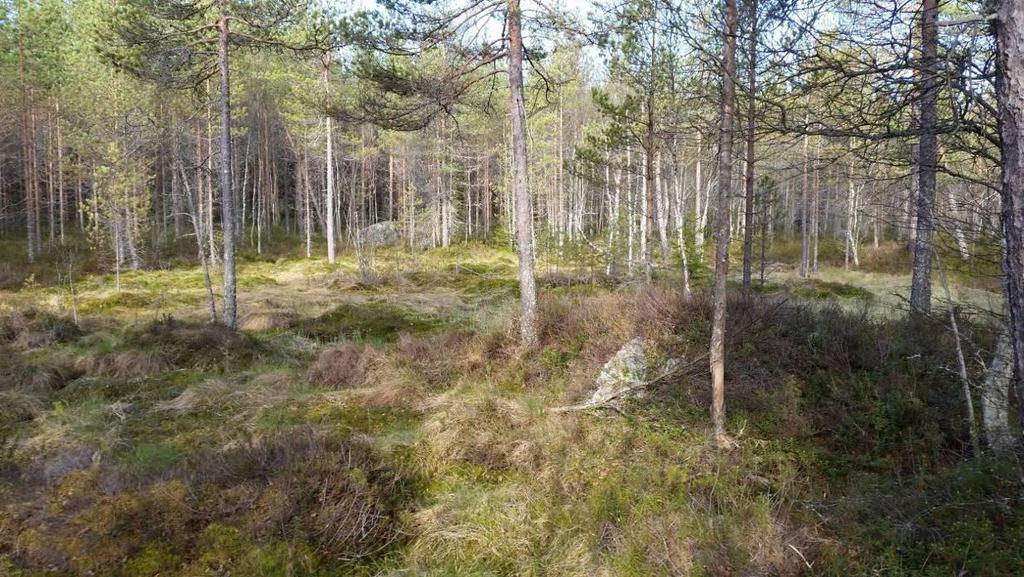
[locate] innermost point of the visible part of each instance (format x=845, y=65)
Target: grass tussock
x=169, y=344
x=27, y=387
x=343, y=365
x=454, y=434
x=33, y=329
x=266, y=321
x=308, y=492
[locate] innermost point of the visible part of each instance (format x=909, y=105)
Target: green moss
x=371, y=321
x=131, y=299
x=153, y=458
x=249, y=281
x=220, y=546
x=154, y=560
x=278, y=559
x=273, y=419
x=819, y=289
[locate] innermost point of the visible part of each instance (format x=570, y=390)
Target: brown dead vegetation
x=170, y=344
x=305, y=483
x=343, y=365
x=266, y=321
x=490, y=432
x=26, y=388
x=32, y=329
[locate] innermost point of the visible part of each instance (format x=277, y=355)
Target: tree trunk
x=961, y=365
x=662, y=198
x=958, y=229
x=51, y=221
x=995, y=396
x=648, y=199
x=727, y=111
x=27, y=144
x=208, y=174
x=61, y=197
x=204, y=262
x=816, y=212
x=765, y=202
x=805, y=221
x=699, y=213
x=520, y=184
x=329, y=195
x=850, y=246
x=227, y=203
x=920, y=284
x=679, y=213
x=630, y=211
x=748, y=188
x=1009, y=28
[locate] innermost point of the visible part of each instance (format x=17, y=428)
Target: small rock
x=380, y=234
x=627, y=369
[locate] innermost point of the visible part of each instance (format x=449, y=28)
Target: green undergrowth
x=398, y=429
x=825, y=290
x=369, y=321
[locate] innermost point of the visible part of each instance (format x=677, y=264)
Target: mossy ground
x=146, y=443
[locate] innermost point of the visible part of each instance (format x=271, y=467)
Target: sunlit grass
x=493, y=483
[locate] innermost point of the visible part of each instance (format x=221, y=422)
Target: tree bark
x=920, y=284
x=648, y=199
x=520, y=184
x=748, y=183
x=805, y=221
x=27, y=144
x=995, y=393
x=727, y=111
x=329, y=194
x=1009, y=29
x=699, y=214
x=60, y=174
x=227, y=203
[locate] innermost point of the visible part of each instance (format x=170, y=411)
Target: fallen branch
x=610, y=402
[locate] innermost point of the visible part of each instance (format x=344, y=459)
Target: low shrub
x=310, y=490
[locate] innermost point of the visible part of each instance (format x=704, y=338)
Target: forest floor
x=387, y=424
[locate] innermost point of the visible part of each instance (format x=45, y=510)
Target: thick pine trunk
x=1009, y=27
x=520, y=184
x=727, y=111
